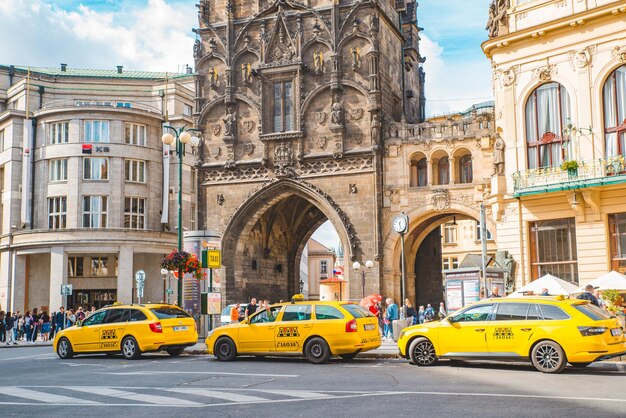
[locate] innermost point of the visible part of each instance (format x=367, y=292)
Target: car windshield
x=593, y=312
x=168, y=313
x=357, y=311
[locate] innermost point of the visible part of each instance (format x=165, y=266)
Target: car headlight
x=591, y=331
x=210, y=333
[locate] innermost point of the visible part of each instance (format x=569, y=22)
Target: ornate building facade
x=559, y=77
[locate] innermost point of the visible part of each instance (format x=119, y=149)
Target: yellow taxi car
x=548, y=331
x=130, y=330
x=314, y=329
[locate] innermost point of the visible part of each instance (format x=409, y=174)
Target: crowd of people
x=238, y=313
x=32, y=326
x=406, y=314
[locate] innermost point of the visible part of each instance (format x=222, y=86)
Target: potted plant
x=184, y=262
x=571, y=166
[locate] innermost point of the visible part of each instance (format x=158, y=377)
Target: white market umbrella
x=554, y=285
x=611, y=280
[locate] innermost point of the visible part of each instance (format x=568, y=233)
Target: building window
x=193, y=218
x=488, y=235
x=134, y=213
x=553, y=249
x=59, y=132
x=75, y=267
x=324, y=267
x=187, y=110
x=617, y=228
x=283, y=106
x=614, y=96
x=99, y=266
x=465, y=169
x=96, y=131
x=419, y=176
x=95, y=168
x=135, y=171
x=547, y=111
x=450, y=263
x=443, y=168
x=135, y=134
x=94, y=211
x=58, y=170
x=194, y=180
x=449, y=233
x=57, y=212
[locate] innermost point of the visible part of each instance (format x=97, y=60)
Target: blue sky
x=156, y=35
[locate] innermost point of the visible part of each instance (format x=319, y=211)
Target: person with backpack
x=429, y=313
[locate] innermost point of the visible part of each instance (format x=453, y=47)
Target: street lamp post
x=357, y=266
x=166, y=276
x=181, y=137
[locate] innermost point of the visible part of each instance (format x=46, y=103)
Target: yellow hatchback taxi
x=317, y=330
x=548, y=331
x=130, y=330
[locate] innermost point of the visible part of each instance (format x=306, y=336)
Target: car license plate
x=369, y=327
x=182, y=328
x=616, y=332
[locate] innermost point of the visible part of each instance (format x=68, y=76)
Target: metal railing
x=584, y=175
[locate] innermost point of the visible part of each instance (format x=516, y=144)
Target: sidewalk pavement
x=27, y=344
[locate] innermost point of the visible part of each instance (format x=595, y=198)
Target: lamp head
x=184, y=137
x=167, y=139
x=356, y=265
x=369, y=264
x=164, y=271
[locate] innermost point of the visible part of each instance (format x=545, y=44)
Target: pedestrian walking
x=409, y=313
x=45, y=326
x=59, y=320
x=35, y=325
x=20, y=327
x=393, y=314
x=10, y=328
x=28, y=327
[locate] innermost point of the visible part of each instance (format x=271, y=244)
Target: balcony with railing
x=582, y=174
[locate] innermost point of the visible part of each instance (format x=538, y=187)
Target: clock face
x=399, y=224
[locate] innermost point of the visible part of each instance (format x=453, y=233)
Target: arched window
x=443, y=171
x=422, y=173
x=547, y=112
x=413, y=174
x=615, y=113
x=465, y=169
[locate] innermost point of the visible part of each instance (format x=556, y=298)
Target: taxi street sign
x=66, y=289
x=214, y=259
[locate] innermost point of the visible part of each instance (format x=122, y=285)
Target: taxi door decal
x=288, y=332
x=108, y=338
x=503, y=333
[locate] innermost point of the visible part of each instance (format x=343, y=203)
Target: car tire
x=348, y=357
x=580, y=365
x=317, y=351
x=175, y=352
x=64, y=349
x=422, y=352
x=130, y=348
x=225, y=349
x=548, y=357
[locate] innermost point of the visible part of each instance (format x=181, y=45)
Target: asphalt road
x=34, y=382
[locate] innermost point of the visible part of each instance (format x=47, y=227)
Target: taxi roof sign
x=299, y=297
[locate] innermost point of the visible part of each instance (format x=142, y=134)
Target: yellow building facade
x=559, y=79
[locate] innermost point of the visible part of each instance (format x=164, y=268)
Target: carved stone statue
x=498, y=155
x=230, y=121
x=497, y=23
x=336, y=116
x=213, y=76
x=509, y=265
x=318, y=62
x=197, y=50
x=376, y=125
x=356, y=57
x=246, y=73
x=203, y=13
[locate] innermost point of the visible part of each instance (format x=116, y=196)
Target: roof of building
x=99, y=73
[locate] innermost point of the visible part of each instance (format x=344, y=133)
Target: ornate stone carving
x=283, y=154
x=336, y=117
x=497, y=24
x=197, y=49
x=248, y=149
x=320, y=117
x=283, y=51
x=355, y=53
x=318, y=62
x=220, y=199
x=248, y=125
x=246, y=73
x=213, y=77
x=544, y=73
x=356, y=114
x=338, y=152
x=498, y=155
x=357, y=138
x=235, y=175
x=215, y=152
x=619, y=53
x=580, y=59
x=375, y=129
x=230, y=125
x=507, y=77
x=440, y=199
x=216, y=128
x=321, y=142
x=353, y=189
x=203, y=13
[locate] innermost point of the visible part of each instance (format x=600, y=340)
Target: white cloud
x=154, y=37
x=327, y=235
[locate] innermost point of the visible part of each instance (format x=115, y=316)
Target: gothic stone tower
x=292, y=98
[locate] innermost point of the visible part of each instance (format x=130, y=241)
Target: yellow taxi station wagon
x=548, y=331
x=130, y=330
x=317, y=330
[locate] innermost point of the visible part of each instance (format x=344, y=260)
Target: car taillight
x=590, y=331
x=156, y=327
x=351, y=326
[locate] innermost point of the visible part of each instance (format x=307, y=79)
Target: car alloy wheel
x=317, y=351
x=548, y=357
x=64, y=350
x=422, y=352
x=130, y=350
x=225, y=349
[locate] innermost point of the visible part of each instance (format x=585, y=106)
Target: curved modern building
x=88, y=197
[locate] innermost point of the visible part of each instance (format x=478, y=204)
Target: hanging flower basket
x=183, y=261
